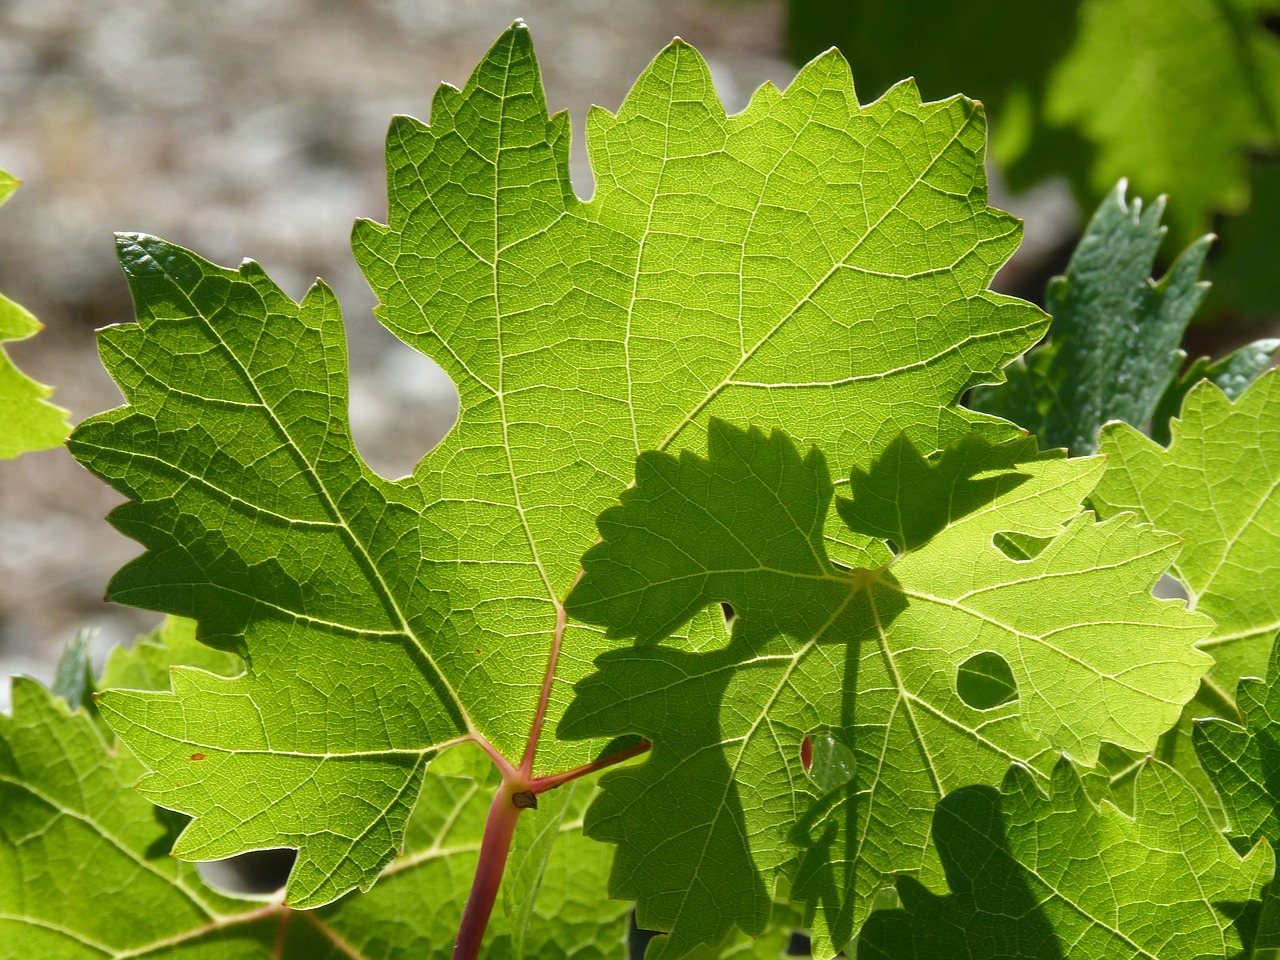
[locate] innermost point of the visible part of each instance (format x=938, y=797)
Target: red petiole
x=519, y=792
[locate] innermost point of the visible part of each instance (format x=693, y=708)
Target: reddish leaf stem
x=543, y=784
x=544, y=697
x=519, y=792
x=498, y=831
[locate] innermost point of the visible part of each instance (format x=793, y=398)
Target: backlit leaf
x=873, y=657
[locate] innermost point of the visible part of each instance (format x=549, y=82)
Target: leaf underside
x=870, y=657
x=85, y=871
x=810, y=262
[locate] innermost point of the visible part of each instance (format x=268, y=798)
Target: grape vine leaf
x=1242, y=759
x=868, y=656
x=1217, y=486
x=30, y=423
x=810, y=261
x=1113, y=343
x=1231, y=374
x=84, y=870
x=1056, y=876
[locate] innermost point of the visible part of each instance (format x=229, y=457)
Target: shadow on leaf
x=908, y=499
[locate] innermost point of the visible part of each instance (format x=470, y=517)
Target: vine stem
x=519, y=792
x=499, y=828
x=543, y=784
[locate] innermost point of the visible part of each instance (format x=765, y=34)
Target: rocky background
x=248, y=129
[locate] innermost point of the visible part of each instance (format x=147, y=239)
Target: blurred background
x=243, y=129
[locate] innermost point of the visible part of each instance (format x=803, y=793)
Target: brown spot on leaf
x=197, y=756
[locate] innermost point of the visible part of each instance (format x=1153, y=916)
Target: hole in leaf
x=985, y=681
x=831, y=763
x=729, y=615
x=1170, y=588
x=255, y=873
x=1019, y=546
x=400, y=409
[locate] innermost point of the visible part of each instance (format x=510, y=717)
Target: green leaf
x=83, y=865
x=146, y=664
x=1113, y=347
x=722, y=805
x=1232, y=375
x=1172, y=96
x=29, y=422
x=383, y=621
x=1242, y=760
x=73, y=681
x=1055, y=876
x=84, y=870
x=1215, y=487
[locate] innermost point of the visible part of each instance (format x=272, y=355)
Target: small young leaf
x=73, y=681
x=1056, y=877
x=1113, y=346
x=871, y=656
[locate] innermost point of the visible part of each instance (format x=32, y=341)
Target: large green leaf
x=1216, y=487
x=1113, y=348
x=810, y=261
x=1055, y=877
x=905, y=663
x=29, y=422
x=85, y=871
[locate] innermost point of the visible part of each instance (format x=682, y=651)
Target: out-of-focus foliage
x=1173, y=96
